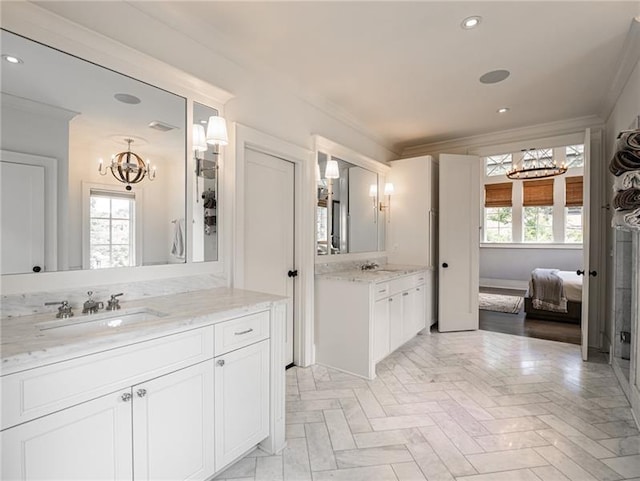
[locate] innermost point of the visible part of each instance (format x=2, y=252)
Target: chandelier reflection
x=128, y=167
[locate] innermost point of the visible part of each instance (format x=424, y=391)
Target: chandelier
x=128, y=167
x=537, y=165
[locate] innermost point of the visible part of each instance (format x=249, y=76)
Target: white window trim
x=138, y=192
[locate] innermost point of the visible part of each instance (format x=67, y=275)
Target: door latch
x=293, y=273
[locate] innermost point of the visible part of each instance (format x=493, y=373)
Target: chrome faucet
x=114, y=303
x=64, y=311
x=90, y=306
x=368, y=266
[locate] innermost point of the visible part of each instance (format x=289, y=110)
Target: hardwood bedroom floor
x=518, y=325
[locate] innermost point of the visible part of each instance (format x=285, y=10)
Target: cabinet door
x=409, y=314
x=380, y=329
x=241, y=401
x=89, y=441
x=419, y=305
x=395, y=322
x=173, y=425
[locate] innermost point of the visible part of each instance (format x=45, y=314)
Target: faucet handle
x=114, y=302
x=64, y=311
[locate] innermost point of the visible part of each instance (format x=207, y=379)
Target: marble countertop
x=24, y=345
x=379, y=274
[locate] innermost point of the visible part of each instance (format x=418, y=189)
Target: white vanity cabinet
x=360, y=319
x=179, y=407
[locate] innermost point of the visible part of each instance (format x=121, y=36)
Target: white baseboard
x=504, y=283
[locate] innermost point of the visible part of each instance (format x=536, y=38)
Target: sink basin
x=105, y=320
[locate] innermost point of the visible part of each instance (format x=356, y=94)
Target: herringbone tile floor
x=469, y=406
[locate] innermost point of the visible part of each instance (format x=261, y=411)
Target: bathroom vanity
x=362, y=316
x=172, y=387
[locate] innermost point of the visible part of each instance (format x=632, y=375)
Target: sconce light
x=388, y=192
x=217, y=131
x=332, y=171
x=128, y=167
x=373, y=193
x=216, y=134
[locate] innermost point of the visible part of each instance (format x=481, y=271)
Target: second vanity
x=179, y=395
x=364, y=315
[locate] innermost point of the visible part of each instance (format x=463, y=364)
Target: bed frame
x=573, y=314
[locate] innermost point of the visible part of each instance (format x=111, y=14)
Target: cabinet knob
x=126, y=397
x=580, y=272
x=405, y=294
x=220, y=362
x=141, y=392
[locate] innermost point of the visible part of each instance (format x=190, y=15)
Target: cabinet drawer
x=29, y=394
x=381, y=290
x=401, y=284
x=419, y=278
x=240, y=332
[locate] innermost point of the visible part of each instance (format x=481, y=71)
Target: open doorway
x=533, y=242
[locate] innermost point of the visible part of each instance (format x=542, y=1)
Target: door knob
x=37, y=268
x=579, y=272
x=292, y=273
x=445, y=265
x=593, y=273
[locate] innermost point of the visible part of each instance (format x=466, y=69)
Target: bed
x=571, y=284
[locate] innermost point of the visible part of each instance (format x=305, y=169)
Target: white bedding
x=572, y=284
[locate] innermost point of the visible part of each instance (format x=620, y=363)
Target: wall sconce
x=332, y=171
x=216, y=134
x=388, y=192
x=128, y=167
x=217, y=131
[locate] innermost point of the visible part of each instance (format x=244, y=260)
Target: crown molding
x=533, y=132
x=627, y=62
x=328, y=146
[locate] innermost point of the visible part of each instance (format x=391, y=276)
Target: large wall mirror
x=348, y=217
x=92, y=167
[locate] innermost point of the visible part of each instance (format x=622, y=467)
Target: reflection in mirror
x=346, y=212
x=206, y=193
x=95, y=160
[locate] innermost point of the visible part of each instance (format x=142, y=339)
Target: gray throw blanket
x=547, y=290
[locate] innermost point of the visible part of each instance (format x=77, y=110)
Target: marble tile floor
x=468, y=406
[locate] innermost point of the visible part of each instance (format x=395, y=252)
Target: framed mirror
x=348, y=215
x=92, y=165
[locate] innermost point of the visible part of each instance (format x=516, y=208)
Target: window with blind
x=498, y=226
x=111, y=229
x=573, y=210
x=527, y=210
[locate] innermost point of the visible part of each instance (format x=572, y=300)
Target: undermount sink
x=105, y=320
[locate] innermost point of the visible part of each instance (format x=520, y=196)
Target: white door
x=269, y=231
x=241, y=404
x=173, y=425
x=23, y=222
x=585, y=244
x=89, y=441
x=459, y=242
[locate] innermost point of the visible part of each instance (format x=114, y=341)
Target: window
x=111, y=229
x=498, y=164
x=498, y=215
x=534, y=211
x=574, y=156
x=573, y=213
x=538, y=224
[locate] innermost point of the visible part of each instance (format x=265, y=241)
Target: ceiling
x=407, y=71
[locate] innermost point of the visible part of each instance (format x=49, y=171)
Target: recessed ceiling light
x=127, y=99
x=503, y=110
x=12, y=59
x=471, y=22
x=494, y=76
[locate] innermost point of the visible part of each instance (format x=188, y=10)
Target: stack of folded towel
x=625, y=165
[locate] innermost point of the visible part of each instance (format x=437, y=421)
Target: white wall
x=516, y=264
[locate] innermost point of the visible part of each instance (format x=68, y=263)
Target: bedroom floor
x=518, y=325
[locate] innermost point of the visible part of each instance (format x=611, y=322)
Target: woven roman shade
x=498, y=195
x=573, y=187
x=537, y=193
